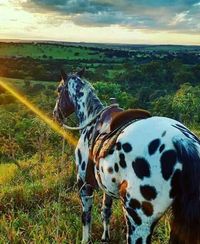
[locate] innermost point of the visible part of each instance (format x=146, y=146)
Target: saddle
x=126, y=116
x=112, y=122
x=109, y=126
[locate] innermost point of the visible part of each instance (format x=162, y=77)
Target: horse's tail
x=186, y=206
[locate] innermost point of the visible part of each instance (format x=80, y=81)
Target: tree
x=108, y=90
x=183, y=76
x=163, y=106
x=186, y=103
x=196, y=72
x=101, y=73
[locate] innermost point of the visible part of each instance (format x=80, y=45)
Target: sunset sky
x=105, y=21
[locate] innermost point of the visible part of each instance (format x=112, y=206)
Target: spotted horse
x=153, y=165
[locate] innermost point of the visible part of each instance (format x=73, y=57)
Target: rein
x=90, y=121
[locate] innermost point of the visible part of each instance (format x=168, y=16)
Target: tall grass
x=7, y=172
x=39, y=203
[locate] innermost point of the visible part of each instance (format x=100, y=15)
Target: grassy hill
x=39, y=203
x=46, y=51
x=39, y=198
x=84, y=51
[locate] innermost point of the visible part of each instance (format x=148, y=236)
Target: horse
x=153, y=164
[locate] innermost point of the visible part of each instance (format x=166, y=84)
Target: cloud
x=65, y=6
x=179, y=18
x=187, y=20
x=196, y=4
x=170, y=15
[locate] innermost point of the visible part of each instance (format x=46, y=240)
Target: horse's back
x=152, y=131
x=144, y=132
x=150, y=127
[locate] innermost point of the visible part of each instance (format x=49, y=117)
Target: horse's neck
x=88, y=133
x=87, y=104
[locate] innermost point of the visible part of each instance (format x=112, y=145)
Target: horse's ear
x=63, y=75
x=81, y=72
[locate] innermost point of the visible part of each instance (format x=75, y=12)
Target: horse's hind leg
x=106, y=213
x=139, y=228
x=86, y=194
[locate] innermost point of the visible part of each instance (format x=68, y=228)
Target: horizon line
x=17, y=40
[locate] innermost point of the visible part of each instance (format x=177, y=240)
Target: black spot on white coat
x=118, y=146
x=153, y=146
x=148, y=192
x=83, y=166
x=133, y=214
x=127, y=147
x=79, y=156
x=147, y=208
x=116, y=167
x=122, y=161
x=162, y=147
x=168, y=161
x=141, y=168
x=139, y=241
x=134, y=203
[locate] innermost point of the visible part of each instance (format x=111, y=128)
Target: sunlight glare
x=56, y=127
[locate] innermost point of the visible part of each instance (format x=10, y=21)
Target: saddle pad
x=105, y=143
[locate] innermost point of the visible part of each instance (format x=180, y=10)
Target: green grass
x=168, y=48
x=39, y=203
x=7, y=172
x=45, y=51
x=19, y=83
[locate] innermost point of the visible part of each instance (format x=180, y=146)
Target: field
x=39, y=200
x=38, y=51
x=40, y=204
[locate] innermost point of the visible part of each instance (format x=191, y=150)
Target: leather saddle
x=110, y=125
x=126, y=116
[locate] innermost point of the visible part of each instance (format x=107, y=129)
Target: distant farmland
x=42, y=61
x=45, y=51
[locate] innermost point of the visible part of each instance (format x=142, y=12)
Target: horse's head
x=64, y=104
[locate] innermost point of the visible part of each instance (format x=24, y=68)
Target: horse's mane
x=88, y=85
x=92, y=100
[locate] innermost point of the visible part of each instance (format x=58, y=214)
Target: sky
x=102, y=21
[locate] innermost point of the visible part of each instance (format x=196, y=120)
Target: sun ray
x=56, y=127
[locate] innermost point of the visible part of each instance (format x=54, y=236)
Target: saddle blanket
x=105, y=142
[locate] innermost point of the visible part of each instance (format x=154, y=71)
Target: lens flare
x=56, y=127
